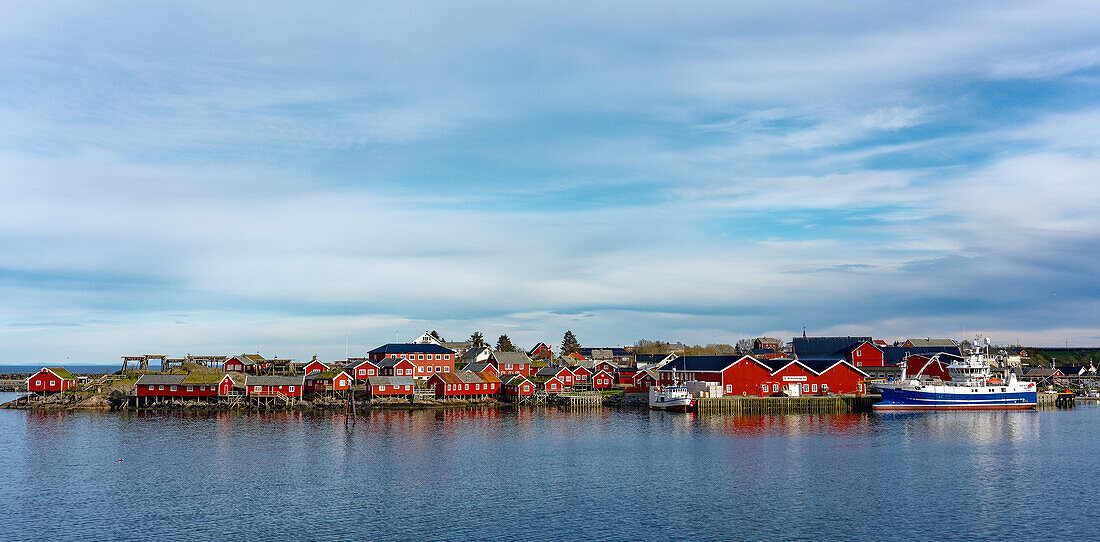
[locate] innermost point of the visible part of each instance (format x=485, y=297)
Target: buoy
x=120, y=460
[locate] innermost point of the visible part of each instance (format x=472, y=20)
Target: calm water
x=549, y=474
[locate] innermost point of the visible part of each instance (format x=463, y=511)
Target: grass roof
x=60, y=371
x=203, y=379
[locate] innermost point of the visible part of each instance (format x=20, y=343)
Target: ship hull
x=943, y=398
x=674, y=406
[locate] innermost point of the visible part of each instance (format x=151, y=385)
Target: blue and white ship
x=972, y=387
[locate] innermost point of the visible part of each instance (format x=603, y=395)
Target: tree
x=504, y=344
x=478, y=339
x=437, y=336
x=744, y=346
x=569, y=344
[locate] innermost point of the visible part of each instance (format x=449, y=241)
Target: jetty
x=786, y=405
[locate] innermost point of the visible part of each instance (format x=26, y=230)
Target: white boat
x=671, y=398
x=972, y=387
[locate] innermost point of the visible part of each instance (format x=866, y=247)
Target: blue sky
x=223, y=178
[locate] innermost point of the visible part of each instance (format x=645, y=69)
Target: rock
x=95, y=402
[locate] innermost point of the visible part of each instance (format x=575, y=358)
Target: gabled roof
x=816, y=365
x=809, y=346
x=248, y=359
x=330, y=374
x=390, y=362
x=897, y=354
x=160, y=380
x=203, y=379
x=447, y=378
x=513, y=380
x=356, y=362
x=476, y=367
x=468, y=377
x=704, y=363
x=253, y=380
x=1071, y=371
x=61, y=373
x=855, y=346
x=488, y=377
x=410, y=348
x=550, y=371
x=536, y=347
x=934, y=343
x=512, y=358
x=458, y=345
x=390, y=381
x=474, y=353
x=611, y=350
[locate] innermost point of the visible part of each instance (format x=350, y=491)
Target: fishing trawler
x=673, y=397
x=972, y=387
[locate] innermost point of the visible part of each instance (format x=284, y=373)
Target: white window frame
x=381, y=388
x=467, y=387
x=446, y=368
x=190, y=388
x=437, y=368
x=173, y=388
x=291, y=389
x=775, y=388
x=814, y=388
x=729, y=388
x=362, y=372
x=257, y=389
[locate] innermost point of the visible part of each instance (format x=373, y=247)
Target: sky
x=297, y=179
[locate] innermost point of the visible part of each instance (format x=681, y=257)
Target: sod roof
x=203, y=379
x=60, y=371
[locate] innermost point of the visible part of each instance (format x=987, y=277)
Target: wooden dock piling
x=835, y=404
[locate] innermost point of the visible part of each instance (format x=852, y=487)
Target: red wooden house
x=364, y=369
x=428, y=359
x=552, y=384
x=390, y=386
x=396, y=367
x=193, y=385
x=541, y=351
x=464, y=384
x=51, y=380
x=603, y=380
x=275, y=386
x=511, y=363
x=480, y=368
x=581, y=374
x=562, y=373
x=517, y=386
x=864, y=354
x=246, y=363
x=330, y=380
x=643, y=380
x=626, y=376
x=314, y=366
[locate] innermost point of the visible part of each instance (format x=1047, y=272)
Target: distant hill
x=1064, y=356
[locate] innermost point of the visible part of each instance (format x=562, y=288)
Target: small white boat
x=676, y=398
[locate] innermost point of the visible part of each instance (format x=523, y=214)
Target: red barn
x=331, y=380
x=923, y=365
x=428, y=359
x=390, y=386
x=364, y=369
x=275, y=386
x=51, y=380
x=517, y=386
x=737, y=375
x=511, y=363
x=603, y=380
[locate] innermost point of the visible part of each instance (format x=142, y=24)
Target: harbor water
x=538, y=474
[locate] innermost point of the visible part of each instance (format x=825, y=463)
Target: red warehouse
x=463, y=384
x=390, y=386
x=246, y=363
x=275, y=386
x=816, y=377
x=737, y=375
x=314, y=366
x=51, y=380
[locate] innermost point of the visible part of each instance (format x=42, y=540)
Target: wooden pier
x=834, y=404
x=1057, y=400
x=583, y=399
